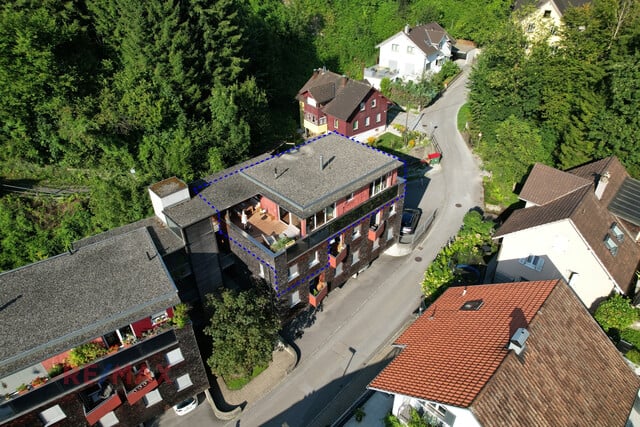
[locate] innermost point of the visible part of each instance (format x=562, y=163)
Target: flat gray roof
x=293, y=179
x=56, y=304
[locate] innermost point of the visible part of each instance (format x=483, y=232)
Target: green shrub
x=632, y=336
x=55, y=370
x=86, y=353
x=616, y=313
x=180, y=315
x=633, y=355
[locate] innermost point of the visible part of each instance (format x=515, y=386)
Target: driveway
x=340, y=345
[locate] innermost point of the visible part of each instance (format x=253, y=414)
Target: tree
x=244, y=328
x=616, y=313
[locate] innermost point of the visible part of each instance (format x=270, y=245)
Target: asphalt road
x=359, y=320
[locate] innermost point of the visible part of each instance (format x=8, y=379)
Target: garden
x=617, y=316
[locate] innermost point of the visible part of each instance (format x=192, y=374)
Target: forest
x=111, y=96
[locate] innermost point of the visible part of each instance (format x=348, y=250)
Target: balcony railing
x=316, y=299
x=141, y=390
x=103, y=408
x=337, y=257
x=79, y=378
x=375, y=231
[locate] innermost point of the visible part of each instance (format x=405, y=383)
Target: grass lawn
x=238, y=382
x=391, y=141
x=464, y=115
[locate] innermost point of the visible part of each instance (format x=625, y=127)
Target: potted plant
x=22, y=388
x=38, y=381
x=359, y=414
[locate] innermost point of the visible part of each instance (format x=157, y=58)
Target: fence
x=421, y=229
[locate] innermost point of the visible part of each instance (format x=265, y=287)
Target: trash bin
x=434, y=158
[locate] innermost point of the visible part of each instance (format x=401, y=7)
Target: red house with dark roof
x=331, y=102
x=510, y=354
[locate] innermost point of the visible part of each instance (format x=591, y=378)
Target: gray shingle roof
x=53, y=305
x=562, y=5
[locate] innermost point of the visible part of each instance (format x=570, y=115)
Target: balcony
x=337, y=254
x=138, y=382
x=375, y=231
x=99, y=401
x=317, y=293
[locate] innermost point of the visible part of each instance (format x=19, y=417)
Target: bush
x=633, y=355
x=180, y=315
x=616, y=313
x=631, y=336
x=55, y=370
x=86, y=353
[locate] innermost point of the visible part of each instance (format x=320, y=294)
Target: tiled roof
x=451, y=354
x=571, y=195
x=545, y=184
x=336, y=95
x=427, y=37
x=568, y=374
x=562, y=5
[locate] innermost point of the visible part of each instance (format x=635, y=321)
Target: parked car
x=186, y=405
x=410, y=218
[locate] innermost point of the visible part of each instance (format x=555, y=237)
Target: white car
x=186, y=405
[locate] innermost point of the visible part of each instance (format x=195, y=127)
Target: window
x=395, y=48
x=546, y=14
x=321, y=217
x=293, y=271
x=533, y=262
x=362, y=106
x=311, y=101
x=356, y=232
x=315, y=259
x=409, y=49
x=355, y=125
x=159, y=317
x=378, y=185
x=531, y=27
x=356, y=256
x=393, y=209
x=294, y=299
x=335, y=123
x=109, y=420
x=351, y=197
x=553, y=30
x=389, y=233
x=339, y=269
x=174, y=357
x=373, y=103
x=183, y=382
x=52, y=415
x=152, y=398
x=611, y=245
x=617, y=232
x=323, y=120
x=366, y=121
x=376, y=243
x=261, y=270
x=378, y=117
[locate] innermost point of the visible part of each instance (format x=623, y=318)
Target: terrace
x=138, y=381
x=99, y=400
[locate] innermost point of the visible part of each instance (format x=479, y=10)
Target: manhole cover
x=418, y=259
x=458, y=205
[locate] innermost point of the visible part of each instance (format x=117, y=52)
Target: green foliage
x=244, y=329
x=415, y=421
x=55, y=370
x=616, y=313
x=85, y=353
x=180, y=315
x=633, y=355
x=236, y=383
x=632, y=336
x=464, y=116
x=359, y=414
x=419, y=95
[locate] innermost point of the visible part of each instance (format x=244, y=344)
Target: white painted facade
x=564, y=254
x=450, y=416
x=399, y=53
x=544, y=22
x=161, y=203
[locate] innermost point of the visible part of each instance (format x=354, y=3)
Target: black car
x=410, y=218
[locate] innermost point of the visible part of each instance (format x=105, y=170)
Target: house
x=581, y=225
x=510, y=354
x=411, y=54
x=543, y=18
x=116, y=296
x=315, y=215
x=333, y=102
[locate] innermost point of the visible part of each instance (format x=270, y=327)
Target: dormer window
x=611, y=245
x=533, y=262
x=617, y=232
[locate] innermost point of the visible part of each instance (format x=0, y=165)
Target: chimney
x=407, y=29
x=601, y=185
x=518, y=340
x=167, y=193
x=316, y=71
x=324, y=69
x=343, y=80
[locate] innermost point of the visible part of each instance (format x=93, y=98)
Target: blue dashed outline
x=305, y=279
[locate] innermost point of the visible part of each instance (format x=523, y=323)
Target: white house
x=581, y=225
x=543, y=18
x=411, y=54
x=509, y=354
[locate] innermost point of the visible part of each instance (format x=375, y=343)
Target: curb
x=221, y=415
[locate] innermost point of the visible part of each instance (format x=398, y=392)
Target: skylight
x=472, y=305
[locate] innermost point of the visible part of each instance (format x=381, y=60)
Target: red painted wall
x=269, y=205
x=346, y=127
x=343, y=206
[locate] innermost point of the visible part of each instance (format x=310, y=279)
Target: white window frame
x=395, y=47
x=311, y=101
x=335, y=123
x=293, y=271
x=373, y=103
x=362, y=106
x=379, y=185
x=339, y=269
x=356, y=256
x=410, y=50
x=261, y=270
x=183, y=382
x=389, y=233
x=174, y=357
x=294, y=298
x=52, y=415
x=355, y=125
x=109, y=419
x=160, y=317
x=393, y=209
x=152, y=398
x=315, y=260
x=533, y=262
x=351, y=197
x=356, y=231
x=322, y=120
x=367, y=121
x=378, y=118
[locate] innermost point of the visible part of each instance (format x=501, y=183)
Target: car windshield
x=406, y=218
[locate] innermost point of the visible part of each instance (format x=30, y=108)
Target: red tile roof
x=568, y=374
x=450, y=354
